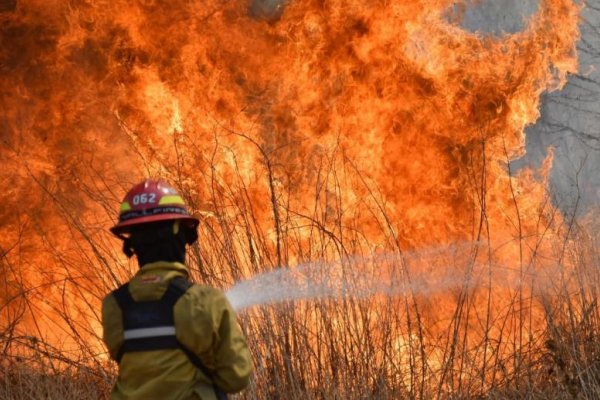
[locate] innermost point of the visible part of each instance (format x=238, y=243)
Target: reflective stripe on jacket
x=205, y=323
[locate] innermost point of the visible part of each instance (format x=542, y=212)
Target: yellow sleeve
x=207, y=325
x=233, y=361
x=112, y=325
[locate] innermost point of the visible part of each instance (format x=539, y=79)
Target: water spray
x=422, y=273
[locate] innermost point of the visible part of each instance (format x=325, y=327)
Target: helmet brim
x=125, y=226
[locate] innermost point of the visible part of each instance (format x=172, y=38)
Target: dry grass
x=477, y=339
x=24, y=382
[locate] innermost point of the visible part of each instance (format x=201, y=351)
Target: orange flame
x=381, y=122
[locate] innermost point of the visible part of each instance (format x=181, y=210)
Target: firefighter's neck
x=157, y=266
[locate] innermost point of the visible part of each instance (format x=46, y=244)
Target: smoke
x=570, y=124
x=496, y=17
x=269, y=10
x=569, y=121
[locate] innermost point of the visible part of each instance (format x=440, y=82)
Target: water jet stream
x=421, y=273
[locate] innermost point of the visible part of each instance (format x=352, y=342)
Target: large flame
x=325, y=130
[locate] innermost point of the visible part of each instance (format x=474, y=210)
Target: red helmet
x=151, y=201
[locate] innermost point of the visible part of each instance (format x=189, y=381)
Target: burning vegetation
x=302, y=132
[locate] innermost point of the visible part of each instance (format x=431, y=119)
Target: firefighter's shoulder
x=198, y=315
x=206, y=298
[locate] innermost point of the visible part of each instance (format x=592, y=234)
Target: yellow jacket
x=205, y=323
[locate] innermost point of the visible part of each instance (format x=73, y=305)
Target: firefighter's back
x=158, y=374
x=200, y=315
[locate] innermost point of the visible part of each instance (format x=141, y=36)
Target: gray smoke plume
x=570, y=118
x=269, y=10
x=570, y=123
x=498, y=17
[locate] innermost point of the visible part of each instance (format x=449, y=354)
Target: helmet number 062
x=144, y=198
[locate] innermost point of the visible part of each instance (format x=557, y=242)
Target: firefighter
x=172, y=339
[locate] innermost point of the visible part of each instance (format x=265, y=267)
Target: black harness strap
x=146, y=317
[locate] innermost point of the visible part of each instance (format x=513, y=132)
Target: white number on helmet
x=144, y=198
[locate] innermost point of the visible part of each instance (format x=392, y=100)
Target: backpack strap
x=147, y=325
